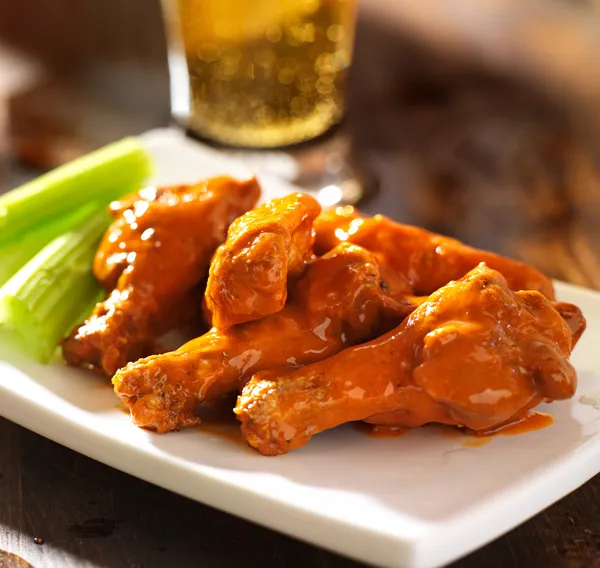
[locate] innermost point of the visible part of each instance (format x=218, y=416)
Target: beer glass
x=259, y=74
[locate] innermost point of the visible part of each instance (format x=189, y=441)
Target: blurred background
x=475, y=119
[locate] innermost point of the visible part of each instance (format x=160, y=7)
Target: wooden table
x=449, y=147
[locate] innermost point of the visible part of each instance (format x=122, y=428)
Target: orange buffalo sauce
x=226, y=430
x=382, y=430
x=220, y=421
x=531, y=421
x=476, y=442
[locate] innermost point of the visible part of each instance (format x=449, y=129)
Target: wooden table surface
x=447, y=146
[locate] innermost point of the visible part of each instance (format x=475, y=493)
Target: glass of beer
x=259, y=73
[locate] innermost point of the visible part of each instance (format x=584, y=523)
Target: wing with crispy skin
x=474, y=354
x=338, y=302
x=151, y=260
x=422, y=260
x=266, y=246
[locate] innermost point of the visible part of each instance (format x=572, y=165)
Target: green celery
x=39, y=304
x=103, y=175
x=18, y=252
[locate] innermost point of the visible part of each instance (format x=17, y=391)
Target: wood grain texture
x=447, y=145
x=91, y=515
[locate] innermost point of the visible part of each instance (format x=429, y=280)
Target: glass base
x=320, y=167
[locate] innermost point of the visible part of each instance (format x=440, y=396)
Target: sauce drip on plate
x=476, y=442
x=221, y=422
x=382, y=430
x=528, y=423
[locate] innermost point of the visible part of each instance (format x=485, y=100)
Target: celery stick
x=15, y=254
x=103, y=175
x=40, y=302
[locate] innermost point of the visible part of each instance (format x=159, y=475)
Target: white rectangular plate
x=420, y=500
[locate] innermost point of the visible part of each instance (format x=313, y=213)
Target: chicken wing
x=151, y=260
x=266, y=246
x=474, y=354
x=422, y=260
x=338, y=302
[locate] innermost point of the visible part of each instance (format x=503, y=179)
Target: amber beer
x=265, y=73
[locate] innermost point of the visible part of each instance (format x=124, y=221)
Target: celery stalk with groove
x=15, y=254
x=101, y=176
x=39, y=304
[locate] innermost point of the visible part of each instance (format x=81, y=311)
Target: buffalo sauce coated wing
x=474, y=354
x=266, y=246
x=151, y=260
x=338, y=302
x=417, y=259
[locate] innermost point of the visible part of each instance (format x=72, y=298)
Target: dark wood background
x=441, y=141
